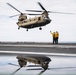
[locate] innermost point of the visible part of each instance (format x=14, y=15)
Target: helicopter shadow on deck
x=41, y=70
x=57, y=68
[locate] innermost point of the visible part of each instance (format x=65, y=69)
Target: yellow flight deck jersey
x=56, y=34
x=53, y=34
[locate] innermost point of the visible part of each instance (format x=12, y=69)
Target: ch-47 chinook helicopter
x=37, y=21
x=39, y=61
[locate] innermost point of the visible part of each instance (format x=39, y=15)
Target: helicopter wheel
x=27, y=30
x=18, y=28
x=40, y=28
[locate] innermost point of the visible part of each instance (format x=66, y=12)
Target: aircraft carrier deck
x=38, y=48
x=63, y=58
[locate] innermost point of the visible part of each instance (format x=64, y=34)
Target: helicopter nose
x=49, y=20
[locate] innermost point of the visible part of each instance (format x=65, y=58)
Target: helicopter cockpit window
x=39, y=18
x=25, y=21
x=22, y=17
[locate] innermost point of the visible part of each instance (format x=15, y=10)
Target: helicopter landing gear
x=27, y=30
x=40, y=28
x=18, y=28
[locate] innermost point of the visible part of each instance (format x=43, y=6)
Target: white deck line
x=57, y=46
x=40, y=53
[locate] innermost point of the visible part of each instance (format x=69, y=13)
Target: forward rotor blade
x=14, y=15
x=14, y=7
x=42, y=6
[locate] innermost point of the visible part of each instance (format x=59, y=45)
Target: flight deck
x=63, y=59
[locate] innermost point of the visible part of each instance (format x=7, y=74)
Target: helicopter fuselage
x=34, y=22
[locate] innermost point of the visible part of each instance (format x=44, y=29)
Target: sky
x=65, y=24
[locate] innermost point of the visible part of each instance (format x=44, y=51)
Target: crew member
x=53, y=35
x=56, y=37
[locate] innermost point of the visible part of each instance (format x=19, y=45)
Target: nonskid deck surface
x=42, y=49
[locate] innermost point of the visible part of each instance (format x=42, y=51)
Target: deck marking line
x=40, y=53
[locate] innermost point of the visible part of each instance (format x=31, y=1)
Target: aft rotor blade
x=59, y=12
x=49, y=12
x=14, y=7
x=37, y=11
x=42, y=6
